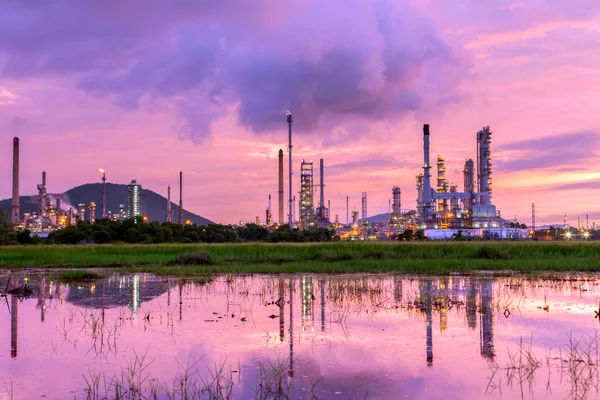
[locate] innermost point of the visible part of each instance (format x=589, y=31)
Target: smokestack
x=364, y=206
x=103, y=194
x=281, y=212
x=42, y=199
x=169, y=210
x=58, y=206
x=322, y=202
x=15, y=186
x=329, y=209
x=347, y=219
x=426, y=168
x=180, y=197
x=291, y=206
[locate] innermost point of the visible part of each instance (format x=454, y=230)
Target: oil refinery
x=441, y=211
x=52, y=213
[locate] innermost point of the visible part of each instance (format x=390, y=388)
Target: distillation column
x=442, y=184
x=484, y=164
x=469, y=184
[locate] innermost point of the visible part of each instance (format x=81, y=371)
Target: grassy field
x=413, y=257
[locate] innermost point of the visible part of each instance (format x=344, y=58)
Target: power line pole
x=533, y=217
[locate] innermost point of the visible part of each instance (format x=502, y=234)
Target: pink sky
x=203, y=89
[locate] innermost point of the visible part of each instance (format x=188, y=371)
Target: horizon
x=204, y=89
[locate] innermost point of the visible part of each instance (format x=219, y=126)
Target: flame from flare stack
x=101, y=170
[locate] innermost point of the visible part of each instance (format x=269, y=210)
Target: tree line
x=136, y=230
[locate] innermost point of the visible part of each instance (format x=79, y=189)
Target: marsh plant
x=577, y=363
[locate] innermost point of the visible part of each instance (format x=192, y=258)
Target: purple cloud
x=324, y=62
x=548, y=151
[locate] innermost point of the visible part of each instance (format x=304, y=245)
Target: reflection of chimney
x=425, y=297
x=180, y=300
x=471, y=306
x=42, y=300
x=14, y=318
x=322, y=305
x=291, y=373
x=181, y=197
x=281, y=217
x=15, y=187
x=486, y=327
x=281, y=306
x=429, y=336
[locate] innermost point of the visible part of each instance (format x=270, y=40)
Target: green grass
x=414, y=257
x=78, y=275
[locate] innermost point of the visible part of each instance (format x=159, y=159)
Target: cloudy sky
x=148, y=88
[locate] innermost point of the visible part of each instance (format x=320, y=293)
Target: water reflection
x=117, y=291
x=14, y=326
x=370, y=339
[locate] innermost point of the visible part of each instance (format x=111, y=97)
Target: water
x=334, y=337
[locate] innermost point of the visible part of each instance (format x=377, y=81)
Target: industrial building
x=441, y=212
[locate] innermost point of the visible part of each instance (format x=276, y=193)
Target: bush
x=195, y=258
x=491, y=253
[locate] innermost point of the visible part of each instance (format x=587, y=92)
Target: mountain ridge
x=154, y=205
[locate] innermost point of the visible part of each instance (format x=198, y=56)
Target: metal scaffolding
x=307, y=208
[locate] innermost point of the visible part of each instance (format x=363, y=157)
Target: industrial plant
x=442, y=210
x=52, y=213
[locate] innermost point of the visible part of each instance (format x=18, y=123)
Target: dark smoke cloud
x=326, y=62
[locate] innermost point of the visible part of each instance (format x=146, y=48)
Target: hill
x=154, y=206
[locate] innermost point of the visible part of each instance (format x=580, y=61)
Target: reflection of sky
x=374, y=337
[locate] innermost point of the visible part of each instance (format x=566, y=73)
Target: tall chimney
x=103, y=195
x=291, y=206
x=426, y=169
x=180, y=197
x=169, y=210
x=347, y=220
x=364, y=206
x=281, y=212
x=42, y=197
x=322, y=202
x=15, y=186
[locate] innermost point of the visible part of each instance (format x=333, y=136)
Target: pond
x=300, y=336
